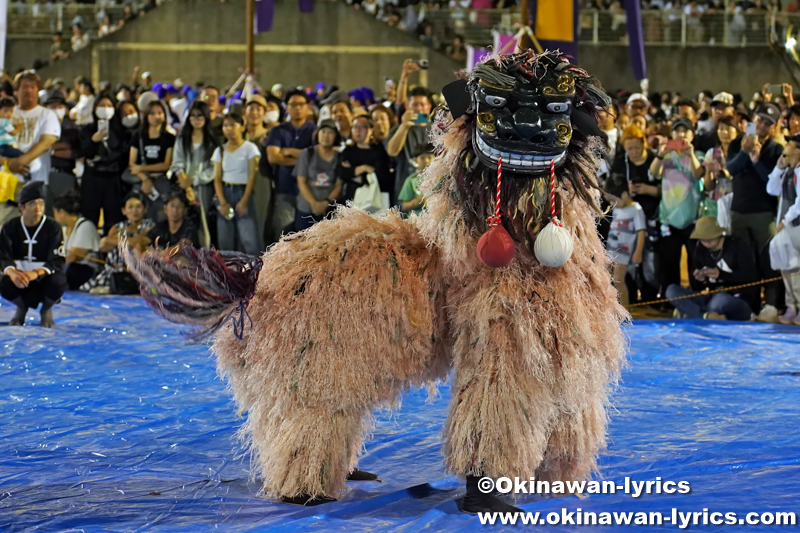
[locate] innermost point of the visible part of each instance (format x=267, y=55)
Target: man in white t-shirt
x=39, y=129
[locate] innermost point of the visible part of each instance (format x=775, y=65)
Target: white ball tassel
x=553, y=246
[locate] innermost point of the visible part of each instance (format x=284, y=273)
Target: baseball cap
x=257, y=99
x=768, y=113
x=722, y=99
x=55, y=97
x=337, y=96
x=327, y=123
x=682, y=121
x=637, y=96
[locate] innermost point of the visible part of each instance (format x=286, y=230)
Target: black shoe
x=19, y=317
x=306, y=500
x=362, y=475
x=47, y=319
x=476, y=501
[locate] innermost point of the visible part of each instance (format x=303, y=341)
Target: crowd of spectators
x=714, y=176
x=708, y=177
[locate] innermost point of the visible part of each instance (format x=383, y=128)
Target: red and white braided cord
x=495, y=220
x=553, y=214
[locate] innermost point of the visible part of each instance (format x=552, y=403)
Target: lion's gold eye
x=495, y=101
x=486, y=123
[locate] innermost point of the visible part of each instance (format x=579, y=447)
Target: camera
x=422, y=63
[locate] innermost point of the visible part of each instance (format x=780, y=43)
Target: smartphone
x=421, y=118
x=775, y=89
x=388, y=83
x=423, y=63
x=102, y=125
x=676, y=144
x=751, y=129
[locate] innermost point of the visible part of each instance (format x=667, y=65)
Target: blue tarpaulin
x=112, y=422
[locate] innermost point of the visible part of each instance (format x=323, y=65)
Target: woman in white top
x=235, y=168
x=81, y=240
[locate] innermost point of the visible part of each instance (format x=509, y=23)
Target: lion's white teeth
x=512, y=160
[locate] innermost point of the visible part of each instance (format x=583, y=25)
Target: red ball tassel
x=496, y=247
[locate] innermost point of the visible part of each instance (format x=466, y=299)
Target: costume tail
x=198, y=287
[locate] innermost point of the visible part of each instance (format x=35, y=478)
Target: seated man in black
x=29, y=256
x=720, y=261
x=177, y=226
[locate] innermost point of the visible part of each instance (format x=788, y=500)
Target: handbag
x=127, y=176
x=123, y=283
x=370, y=198
x=724, y=211
x=8, y=184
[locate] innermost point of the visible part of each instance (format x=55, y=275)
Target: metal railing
x=674, y=27
x=667, y=27
x=26, y=18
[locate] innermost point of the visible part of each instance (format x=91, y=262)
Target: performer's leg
x=498, y=420
x=307, y=453
x=578, y=434
x=13, y=294
x=52, y=288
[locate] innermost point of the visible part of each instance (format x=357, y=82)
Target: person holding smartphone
x=677, y=167
x=751, y=158
x=104, y=146
x=409, y=138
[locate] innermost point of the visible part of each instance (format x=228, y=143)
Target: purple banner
x=634, y=15
x=475, y=55
x=306, y=6
x=265, y=9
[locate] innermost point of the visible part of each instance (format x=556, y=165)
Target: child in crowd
x=626, y=236
x=8, y=132
x=411, y=200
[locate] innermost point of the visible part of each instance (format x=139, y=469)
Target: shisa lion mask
x=526, y=107
x=530, y=114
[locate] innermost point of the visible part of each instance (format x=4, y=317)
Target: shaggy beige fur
x=346, y=316
x=355, y=310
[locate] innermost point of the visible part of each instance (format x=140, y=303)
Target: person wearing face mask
x=129, y=116
x=104, y=147
x=274, y=115
x=124, y=93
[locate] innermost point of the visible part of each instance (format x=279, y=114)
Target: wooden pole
x=526, y=21
x=250, y=29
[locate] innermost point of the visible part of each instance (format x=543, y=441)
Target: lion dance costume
x=340, y=319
